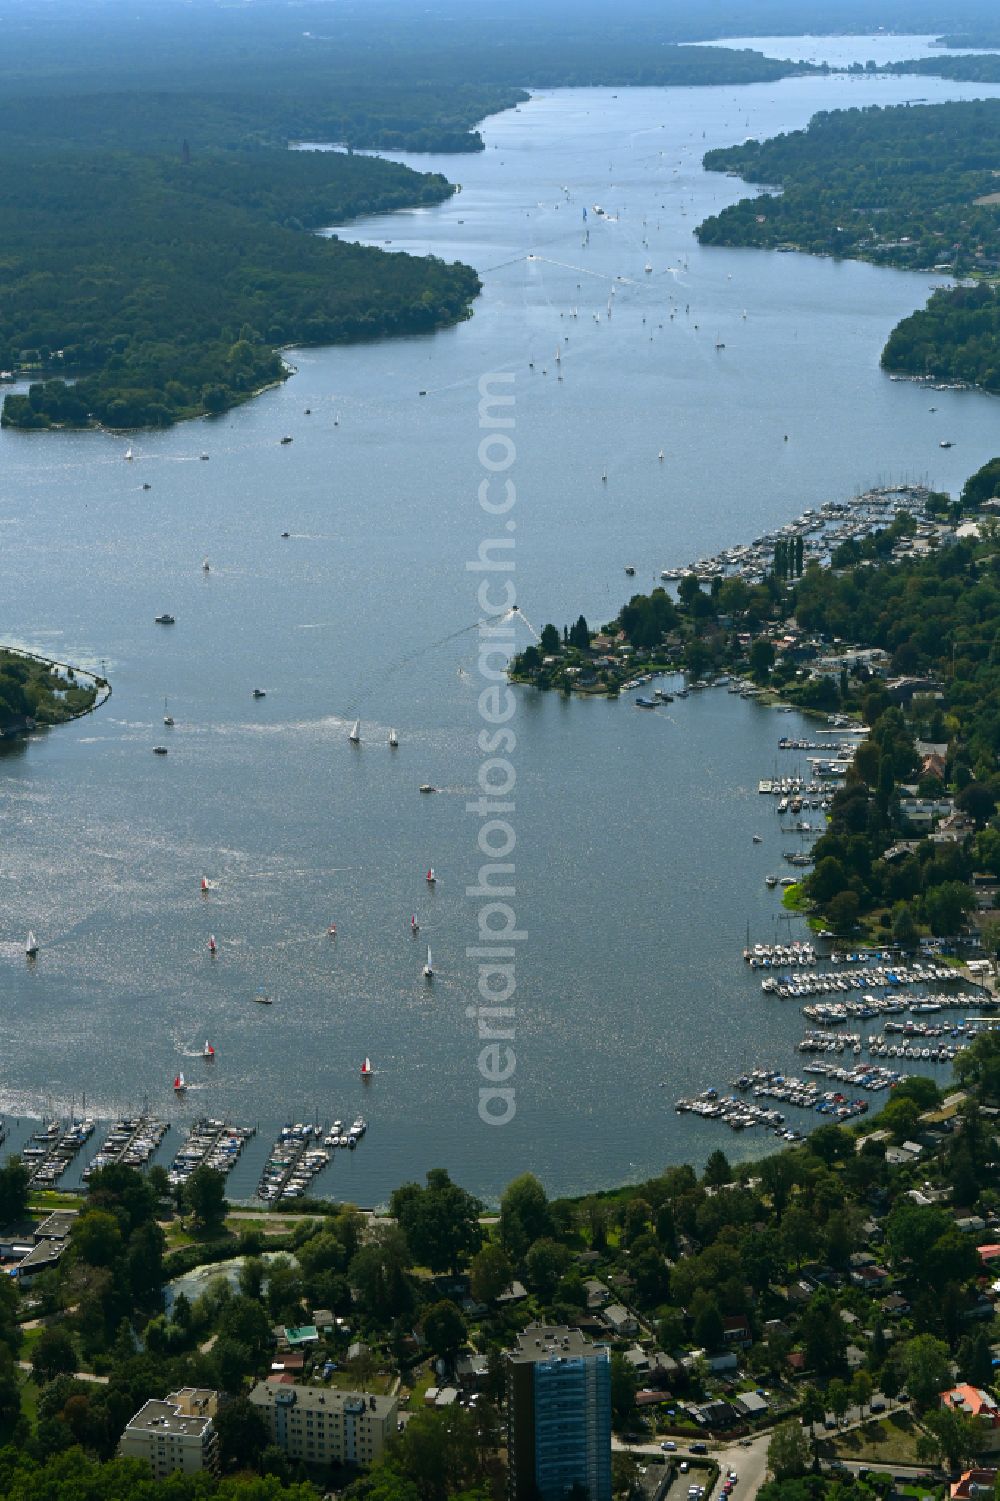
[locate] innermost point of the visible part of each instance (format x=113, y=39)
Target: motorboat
x=165, y=619
x=259, y=693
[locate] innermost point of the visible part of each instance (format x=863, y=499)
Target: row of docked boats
x=210, y=1143
x=737, y=1114
x=131, y=1141
x=878, y=978
x=769, y=954
x=833, y=1013
x=52, y=1148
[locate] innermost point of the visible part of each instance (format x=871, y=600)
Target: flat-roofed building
x=558, y=1415
x=175, y=1435
x=323, y=1426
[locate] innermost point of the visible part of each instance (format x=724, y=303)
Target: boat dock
x=131, y=1141
x=51, y=1150
x=210, y=1143
x=297, y=1156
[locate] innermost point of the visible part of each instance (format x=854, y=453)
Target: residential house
x=977, y=1404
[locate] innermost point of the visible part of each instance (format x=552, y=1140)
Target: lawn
x=891, y=1440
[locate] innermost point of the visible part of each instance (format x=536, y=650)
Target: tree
x=761, y=659
x=957, y=1435
x=861, y=1389
x=97, y=1238
x=444, y=1329
x=904, y=925
x=624, y=1473
x=717, y=1169
x=926, y=1364
x=205, y=1198
x=378, y=1272
x=524, y=1215
x=440, y=1222
x=549, y=640
x=707, y=1320
x=242, y=1434
x=53, y=1355
x=624, y=1385
x=490, y=1273
x=946, y=906
x=838, y=1398
x=14, y=1178
x=545, y=1263
x=788, y=1453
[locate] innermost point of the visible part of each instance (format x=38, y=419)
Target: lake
x=635, y=871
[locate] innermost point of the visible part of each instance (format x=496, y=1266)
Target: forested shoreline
x=909, y=186
x=191, y=272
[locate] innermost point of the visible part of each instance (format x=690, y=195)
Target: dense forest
x=187, y=275
x=956, y=337
x=975, y=67
x=897, y=186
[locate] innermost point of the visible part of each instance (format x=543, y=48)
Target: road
x=750, y=1463
x=25, y=1365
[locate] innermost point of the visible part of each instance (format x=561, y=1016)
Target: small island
x=36, y=692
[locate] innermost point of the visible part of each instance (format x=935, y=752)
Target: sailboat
x=168, y=719
x=31, y=945
x=428, y=967
x=180, y=1084
x=355, y=735
x=208, y=1052
x=206, y=566
x=414, y=925
x=128, y=454
x=431, y=877
x=213, y=947
x=366, y=1069
x=393, y=739
x=204, y=884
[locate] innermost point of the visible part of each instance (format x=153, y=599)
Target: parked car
x=668, y=1445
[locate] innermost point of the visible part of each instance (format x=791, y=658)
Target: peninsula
x=909, y=186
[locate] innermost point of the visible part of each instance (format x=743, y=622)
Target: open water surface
x=636, y=876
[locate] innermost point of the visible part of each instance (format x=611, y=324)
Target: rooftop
x=320, y=1399
x=546, y=1342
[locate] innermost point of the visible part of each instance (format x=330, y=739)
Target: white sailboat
x=31, y=945
x=355, y=735
x=168, y=718
x=128, y=454
x=393, y=739
x=428, y=967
